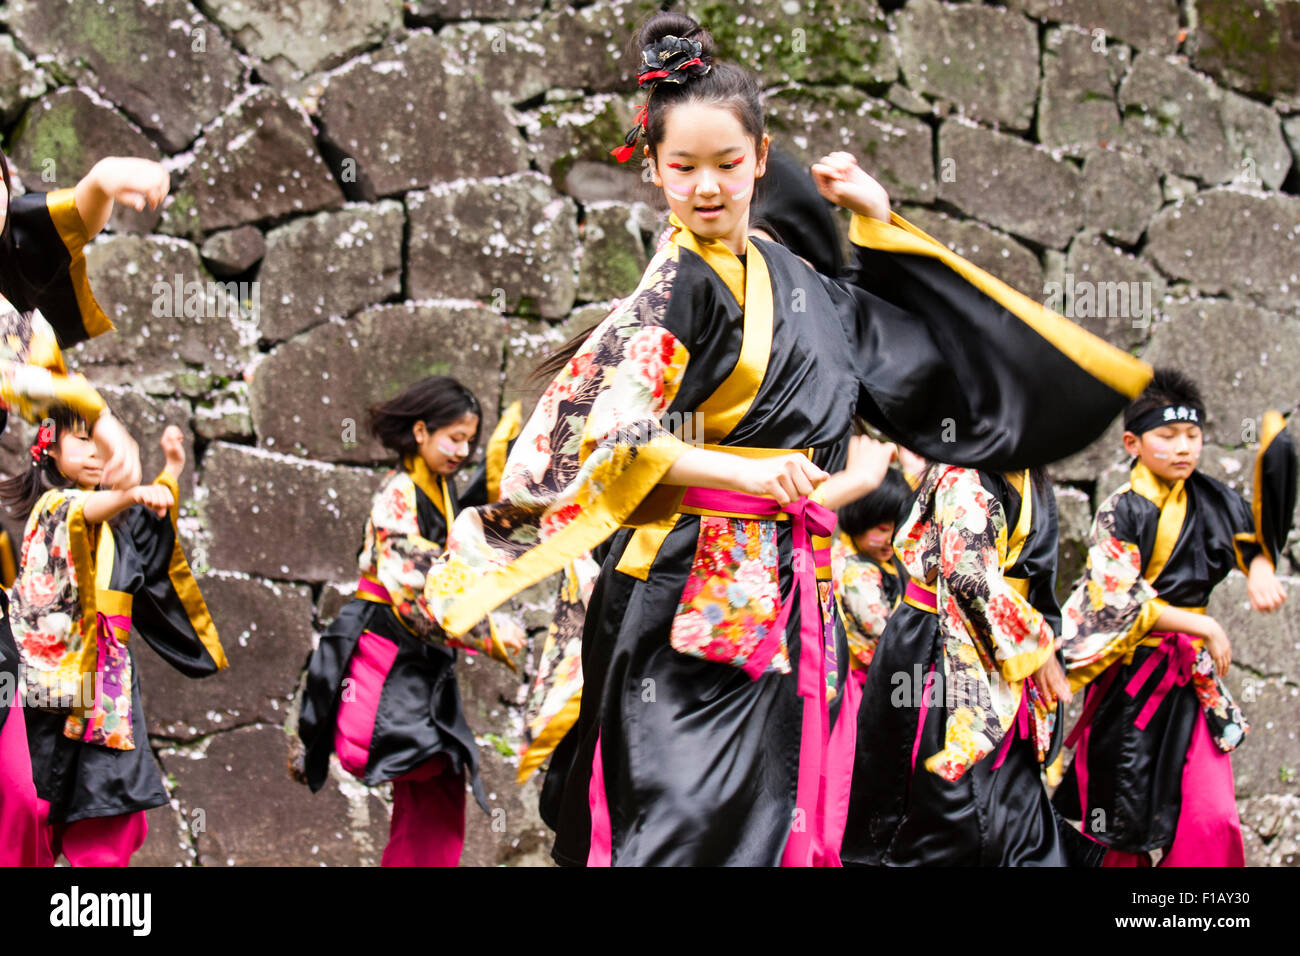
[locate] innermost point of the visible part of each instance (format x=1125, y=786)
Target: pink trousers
x=23, y=842
x=1209, y=829
x=99, y=841
x=428, y=824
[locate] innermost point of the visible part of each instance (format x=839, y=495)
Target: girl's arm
x=124, y=179
x=100, y=506
x=841, y=180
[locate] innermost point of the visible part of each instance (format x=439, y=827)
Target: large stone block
x=1185, y=124
x=1270, y=826
x=571, y=142
x=177, y=327
x=311, y=395
x=21, y=81
x=1121, y=194
x=244, y=810
x=512, y=242
x=1104, y=457
x=1150, y=25
x=1009, y=183
x=169, y=841
x=64, y=134
x=508, y=58
x=894, y=147
x=284, y=518
x=1267, y=644
x=995, y=253
x=124, y=50
x=1074, y=517
x=1110, y=292
x=613, y=253
x=982, y=59
x=1187, y=242
x=1077, y=108
x=1240, y=374
x=808, y=41
x=234, y=251
x=329, y=266
x=386, y=145
x=295, y=39
x=438, y=10
x=1254, y=47
x=266, y=631
x=257, y=163
x=1268, y=760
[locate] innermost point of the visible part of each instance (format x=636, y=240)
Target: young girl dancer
x=46, y=302
x=712, y=653
x=96, y=565
x=381, y=686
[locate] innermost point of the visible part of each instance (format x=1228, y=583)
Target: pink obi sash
x=920, y=596
x=373, y=591
x=810, y=842
x=1178, y=653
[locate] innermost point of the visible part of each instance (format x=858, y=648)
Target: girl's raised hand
x=131, y=181
x=173, y=446
x=785, y=477
x=157, y=498
x=841, y=180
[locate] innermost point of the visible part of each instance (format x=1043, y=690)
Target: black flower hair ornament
x=669, y=59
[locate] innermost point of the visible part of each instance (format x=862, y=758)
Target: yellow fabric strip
x=545, y=743
x=1019, y=585
x=593, y=525
x=499, y=446
x=723, y=410
x=1272, y=425
x=62, y=207
x=187, y=589
x=1106, y=363
x=1024, y=486
x=432, y=485
x=82, y=546
x=1172, y=502
x=8, y=569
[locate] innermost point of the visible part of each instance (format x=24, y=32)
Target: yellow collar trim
x=1171, y=499
x=435, y=486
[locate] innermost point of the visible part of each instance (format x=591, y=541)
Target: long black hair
x=885, y=504
x=438, y=401
x=20, y=493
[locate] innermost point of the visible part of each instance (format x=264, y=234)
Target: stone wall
x=400, y=189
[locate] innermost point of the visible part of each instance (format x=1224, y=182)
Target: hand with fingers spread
x=840, y=179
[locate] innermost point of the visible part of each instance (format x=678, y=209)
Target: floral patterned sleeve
x=861, y=590
x=973, y=524
x=1113, y=606
x=591, y=452
x=402, y=555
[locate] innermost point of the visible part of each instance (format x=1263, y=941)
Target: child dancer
x=958, y=712
x=712, y=652
x=1152, y=770
x=381, y=686
x=46, y=302
x=869, y=578
x=96, y=565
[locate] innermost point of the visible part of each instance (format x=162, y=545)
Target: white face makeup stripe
x=676, y=195
x=741, y=194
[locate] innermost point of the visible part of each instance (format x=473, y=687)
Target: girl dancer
x=712, y=652
x=95, y=565
x=45, y=303
x=381, y=686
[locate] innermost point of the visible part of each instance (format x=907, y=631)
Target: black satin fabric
x=84, y=780
x=1278, y=481
x=901, y=817
x=43, y=262
x=420, y=713
x=700, y=762
x=1135, y=776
